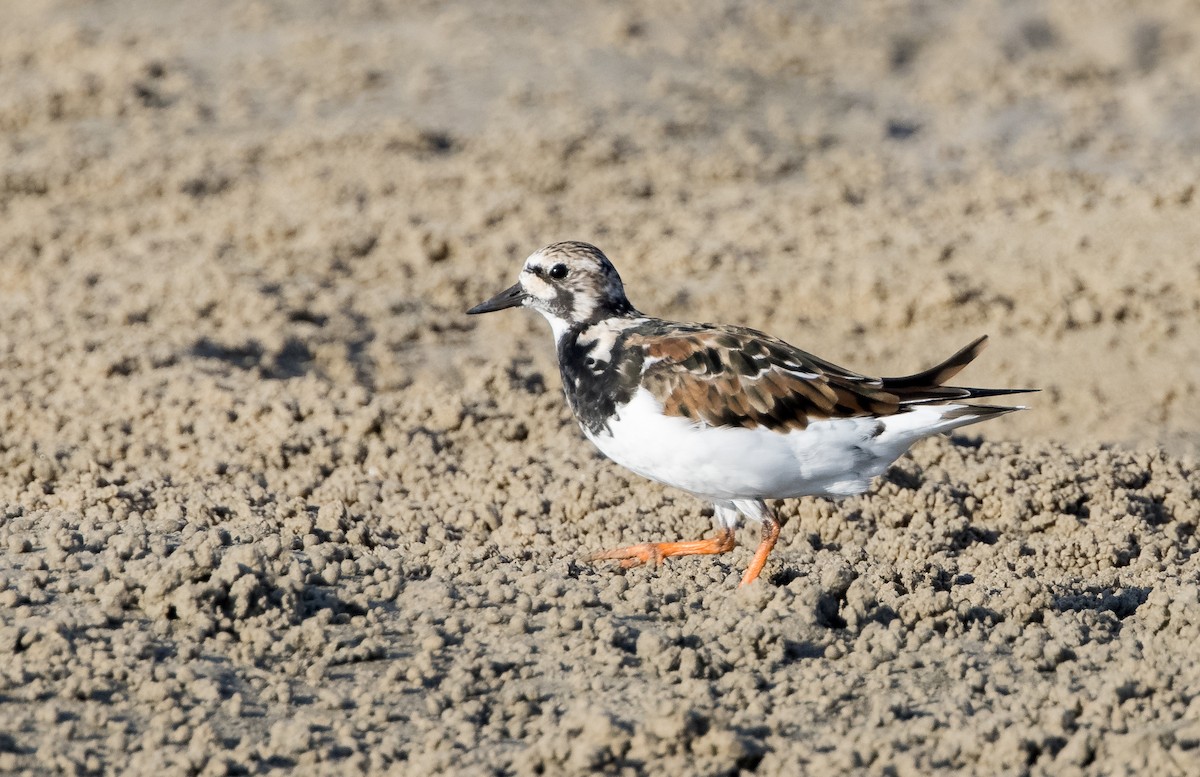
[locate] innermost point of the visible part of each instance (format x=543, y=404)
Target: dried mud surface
x=269, y=502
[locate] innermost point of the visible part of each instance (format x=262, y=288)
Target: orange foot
x=770, y=533
x=655, y=552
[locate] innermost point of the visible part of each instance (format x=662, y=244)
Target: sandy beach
x=271, y=503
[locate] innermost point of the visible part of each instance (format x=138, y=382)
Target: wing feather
x=731, y=376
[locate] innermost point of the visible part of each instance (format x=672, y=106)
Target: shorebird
x=729, y=414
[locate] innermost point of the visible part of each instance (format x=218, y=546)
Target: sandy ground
x=269, y=502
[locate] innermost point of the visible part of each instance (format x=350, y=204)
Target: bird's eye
x=558, y=272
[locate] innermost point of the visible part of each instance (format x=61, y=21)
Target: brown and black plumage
x=733, y=376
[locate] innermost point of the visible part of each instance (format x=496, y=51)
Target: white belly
x=834, y=457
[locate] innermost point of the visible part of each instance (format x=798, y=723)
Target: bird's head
x=568, y=283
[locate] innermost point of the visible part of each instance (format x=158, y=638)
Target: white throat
x=557, y=325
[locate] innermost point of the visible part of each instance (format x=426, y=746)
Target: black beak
x=509, y=298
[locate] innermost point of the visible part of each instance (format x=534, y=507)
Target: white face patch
x=542, y=294
x=536, y=286
x=585, y=305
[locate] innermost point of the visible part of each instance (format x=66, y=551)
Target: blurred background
x=296, y=187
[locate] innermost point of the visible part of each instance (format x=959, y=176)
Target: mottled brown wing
x=728, y=376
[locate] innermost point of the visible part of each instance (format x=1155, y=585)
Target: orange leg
x=770, y=533
x=655, y=552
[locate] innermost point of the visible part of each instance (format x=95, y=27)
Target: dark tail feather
x=927, y=387
x=936, y=376
x=977, y=413
x=920, y=396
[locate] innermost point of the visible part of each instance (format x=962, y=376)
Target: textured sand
x=269, y=501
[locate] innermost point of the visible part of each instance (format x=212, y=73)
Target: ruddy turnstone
x=727, y=413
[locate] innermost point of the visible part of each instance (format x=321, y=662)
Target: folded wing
x=731, y=376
